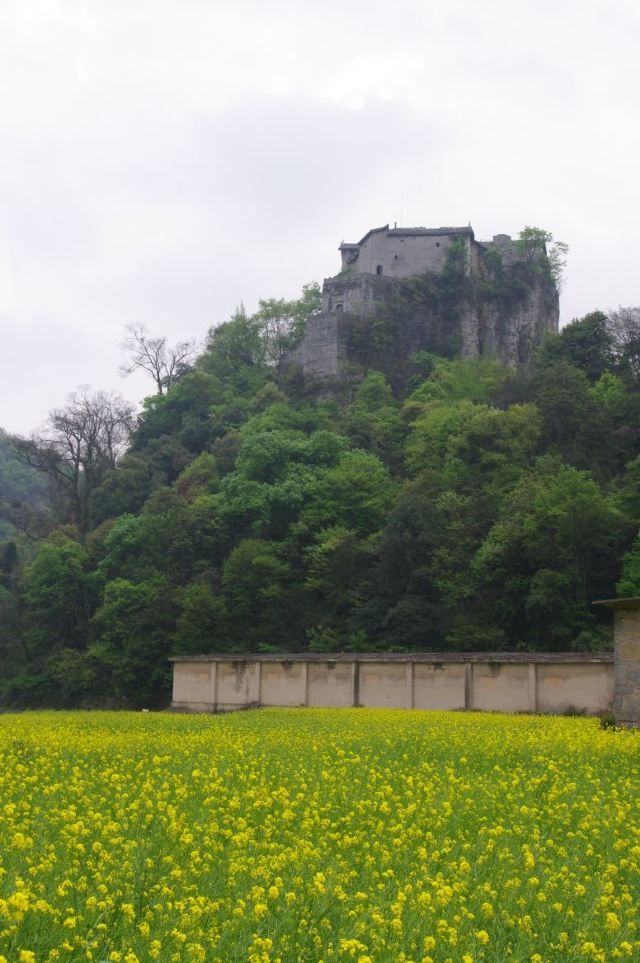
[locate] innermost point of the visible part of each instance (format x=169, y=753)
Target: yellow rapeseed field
x=317, y=835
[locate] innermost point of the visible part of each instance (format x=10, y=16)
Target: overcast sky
x=161, y=160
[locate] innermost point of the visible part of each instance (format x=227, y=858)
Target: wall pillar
x=355, y=683
x=626, y=691
x=305, y=683
x=213, y=686
x=533, y=687
x=409, y=685
x=468, y=685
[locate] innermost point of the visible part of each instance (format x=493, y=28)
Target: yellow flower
x=341, y=793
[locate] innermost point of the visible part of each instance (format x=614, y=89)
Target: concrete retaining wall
x=504, y=682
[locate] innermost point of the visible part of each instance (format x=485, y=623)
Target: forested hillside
x=22, y=492
x=482, y=508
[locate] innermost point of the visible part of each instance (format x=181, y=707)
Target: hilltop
x=469, y=504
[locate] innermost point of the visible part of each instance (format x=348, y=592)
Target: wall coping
x=526, y=658
x=632, y=602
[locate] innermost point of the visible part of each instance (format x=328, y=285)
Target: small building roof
x=409, y=232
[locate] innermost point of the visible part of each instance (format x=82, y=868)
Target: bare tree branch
x=163, y=363
x=78, y=444
x=624, y=327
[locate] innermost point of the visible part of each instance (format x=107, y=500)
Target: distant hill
x=18, y=485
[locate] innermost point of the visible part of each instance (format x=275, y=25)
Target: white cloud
x=162, y=160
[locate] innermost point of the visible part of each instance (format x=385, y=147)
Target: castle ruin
x=458, y=296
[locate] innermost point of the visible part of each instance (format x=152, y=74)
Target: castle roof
x=430, y=230
x=410, y=232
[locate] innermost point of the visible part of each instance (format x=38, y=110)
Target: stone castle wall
x=358, y=294
x=404, y=254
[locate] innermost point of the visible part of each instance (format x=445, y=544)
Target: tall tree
x=164, y=363
x=78, y=445
x=281, y=323
x=585, y=343
x=624, y=328
x=538, y=249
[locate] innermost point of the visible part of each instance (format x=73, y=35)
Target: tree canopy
x=479, y=507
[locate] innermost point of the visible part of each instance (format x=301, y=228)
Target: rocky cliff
x=502, y=309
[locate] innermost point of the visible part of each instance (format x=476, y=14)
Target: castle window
x=379, y=269
x=395, y=257
x=339, y=306
x=437, y=243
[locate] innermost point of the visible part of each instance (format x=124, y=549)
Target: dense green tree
x=260, y=598
x=23, y=493
x=373, y=421
x=624, y=328
x=459, y=379
x=125, y=488
x=404, y=608
x=475, y=449
x=338, y=565
x=79, y=444
x=57, y=590
x=8, y=560
x=202, y=622
x=235, y=355
x=539, y=251
x=575, y=419
x=134, y=625
x=182, y=415
x=246, y=350
x=356, y=492
x=282, y=323
x=628, y=493
x=14, y=655
x=172, y=536
x=629, y=584
x=586, y=343
x=549, y=554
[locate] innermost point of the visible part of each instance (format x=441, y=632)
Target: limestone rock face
x=511, y=333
